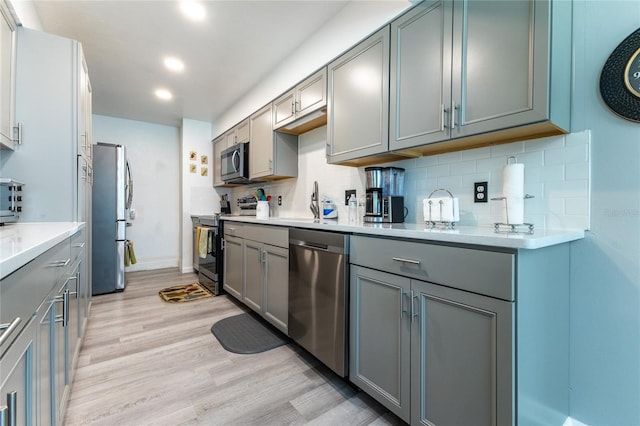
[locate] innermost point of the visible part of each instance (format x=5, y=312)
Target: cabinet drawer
x=78, y=244
x=479, y=271
x=22, y=292
x=233, y=229
x=273, y=235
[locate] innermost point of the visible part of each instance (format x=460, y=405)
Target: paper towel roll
x=513, y=190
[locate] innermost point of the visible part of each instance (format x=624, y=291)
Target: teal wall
x=605, y=282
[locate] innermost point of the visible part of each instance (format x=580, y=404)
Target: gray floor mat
x=247, y=334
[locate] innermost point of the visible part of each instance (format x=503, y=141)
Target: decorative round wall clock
x=620, y=78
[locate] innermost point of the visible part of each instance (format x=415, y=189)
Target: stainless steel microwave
x=234, y=164
x=10, y=200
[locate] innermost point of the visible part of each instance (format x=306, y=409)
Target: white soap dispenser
x=353, y=209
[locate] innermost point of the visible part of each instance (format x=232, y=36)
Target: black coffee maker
x=385, y=195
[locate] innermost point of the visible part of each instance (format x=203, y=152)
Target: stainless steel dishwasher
x=318, y=291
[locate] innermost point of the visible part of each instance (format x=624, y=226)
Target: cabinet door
x=243, y=132
x=462, y=358
x=284, y=109
x=44, y=361
x=219, y=145
x=59, y=351
x=17, y=382
x=276, y=286
x=7, y=67
x=311, y=94
x=358, y=100
x=420, y=83
x=252, y=295
x=379, y=360
x=500, y=65
x=233, y=265
x=261, y=149
x=231, y=137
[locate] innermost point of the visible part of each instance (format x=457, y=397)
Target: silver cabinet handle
x=443, y=120
x=293, y=108
x=3, y=415
x=12, y=403
x=414, y=312
x=403, y=260
x=60, y=263
x=79, y=245
x=9, y=329
x=403, y=308
x=64, y=318
x=455, y=110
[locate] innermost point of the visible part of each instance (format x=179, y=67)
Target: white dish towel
x=450, y=211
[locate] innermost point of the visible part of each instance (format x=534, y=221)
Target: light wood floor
x=145, y=361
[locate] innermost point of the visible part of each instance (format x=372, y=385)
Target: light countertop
x=20, y=243
x=477, y=235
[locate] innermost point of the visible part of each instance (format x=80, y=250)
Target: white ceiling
x=124, y=43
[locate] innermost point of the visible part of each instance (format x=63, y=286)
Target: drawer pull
x=3, y=415
x=9, y=328
x=400, y=259
x=60, y=263
x=79, y=245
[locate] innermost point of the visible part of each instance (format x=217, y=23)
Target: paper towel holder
x=446, y=225
x=512, y=228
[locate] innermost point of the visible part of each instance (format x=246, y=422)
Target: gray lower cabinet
x=429, y=353
x=438, y=336
x=455, y=73
x=256, y=259
x=46, y=295
x=276, y=286
x=233, y=265
x=17, y=391
x=253, y=294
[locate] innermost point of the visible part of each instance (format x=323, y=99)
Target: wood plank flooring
x=148, y=362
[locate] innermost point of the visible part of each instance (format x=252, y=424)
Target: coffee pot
x=384, y=195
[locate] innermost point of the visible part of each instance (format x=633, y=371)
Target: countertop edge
x=62, y=231
x=483, y=236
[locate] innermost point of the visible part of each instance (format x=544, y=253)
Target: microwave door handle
x=235, y=158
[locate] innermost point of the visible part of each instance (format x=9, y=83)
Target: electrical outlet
x=347, y=194
x=279, y=200
x=480, y=192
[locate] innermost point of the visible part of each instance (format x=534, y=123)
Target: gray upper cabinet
x=219, y=144
x=468, y=68
x=272, y=155
x=237, y=134
x=7, y=77
x=358, y=100
x=308, y=96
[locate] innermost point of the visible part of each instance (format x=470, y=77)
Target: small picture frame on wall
x=193, y=168
x=204, y=159
x=204, y=171
x=193, y=155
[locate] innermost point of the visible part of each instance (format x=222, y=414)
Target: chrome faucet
x=315, y=206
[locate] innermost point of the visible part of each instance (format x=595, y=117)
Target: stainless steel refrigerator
x=112, y=194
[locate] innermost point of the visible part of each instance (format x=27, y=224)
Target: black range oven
x=210, y=267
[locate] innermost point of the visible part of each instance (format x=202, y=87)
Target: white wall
x=153, y=151
x=556, y=174
x=197, y=194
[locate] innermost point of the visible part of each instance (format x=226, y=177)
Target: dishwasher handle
x=310, y=245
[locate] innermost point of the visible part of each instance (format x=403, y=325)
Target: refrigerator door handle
x=121, y=233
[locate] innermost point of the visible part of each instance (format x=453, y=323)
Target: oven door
x=208, y=266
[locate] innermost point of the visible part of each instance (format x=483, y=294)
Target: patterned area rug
x=184, y=293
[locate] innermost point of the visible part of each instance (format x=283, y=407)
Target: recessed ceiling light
x=163, y=94
x=174, y=64
x=193, y=10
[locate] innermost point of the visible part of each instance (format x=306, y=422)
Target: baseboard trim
x=146, y=265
